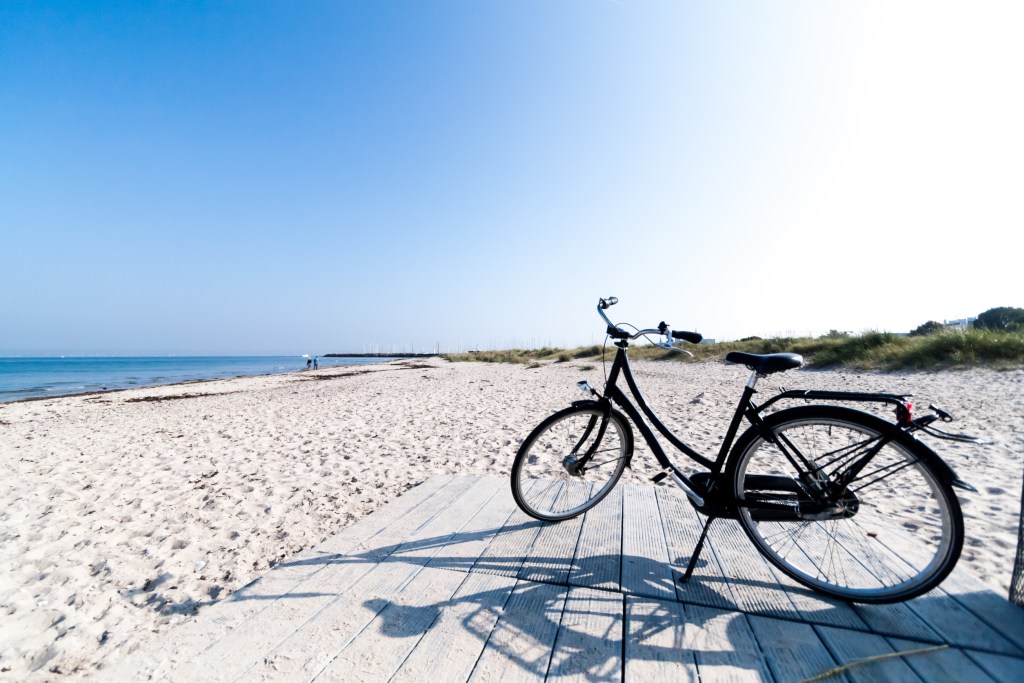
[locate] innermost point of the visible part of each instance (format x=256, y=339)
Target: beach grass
x=871, y=350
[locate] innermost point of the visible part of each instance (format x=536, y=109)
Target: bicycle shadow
x=513, y=609
x=556, y=613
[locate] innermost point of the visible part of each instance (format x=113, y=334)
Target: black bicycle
x=841, y=500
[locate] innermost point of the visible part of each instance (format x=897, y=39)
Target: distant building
x=705, y=340
x=961, y=324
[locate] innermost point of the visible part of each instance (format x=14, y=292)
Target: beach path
x=451, y=582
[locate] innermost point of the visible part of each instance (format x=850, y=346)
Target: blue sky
x=271, y=177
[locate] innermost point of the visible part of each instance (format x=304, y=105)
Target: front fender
x=602, y=404
x=605, y=405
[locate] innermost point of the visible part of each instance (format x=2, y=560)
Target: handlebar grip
x=692, y=337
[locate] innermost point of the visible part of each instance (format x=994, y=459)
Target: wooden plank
x=520, y=645
x=751, y=582
x=897, y=620
x=991, y=607
x=589, y=642
x=894, y=619
x=599, y=551
x=645, y=560
x=185, y=642
x=954, y=623
x=862, y=570
x=370, y=657
x=316, y=609
x=550, y=557
x=950, y=664
x=256, y=640
x=441, y=485
x=814, y=547
x=379, y=649
x=316, y=642
x=657, y=648
x=454, y=642
x=1001, y=667
x=847, y=646
x=835, y=540
x=791, y=650
x=957, y=626
x=682, y=525
x=849, y=548
x=508, y=549
x=725, y=646
x=817, y=608
x=453, y=525
x=462, y=551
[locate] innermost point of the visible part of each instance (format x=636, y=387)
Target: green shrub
x=1002, y=318
x=930, y=327
x=588, y=351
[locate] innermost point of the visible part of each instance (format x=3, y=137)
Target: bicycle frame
x=612, y=393
x=746, y=408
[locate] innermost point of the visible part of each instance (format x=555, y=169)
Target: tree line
x=1003, y=318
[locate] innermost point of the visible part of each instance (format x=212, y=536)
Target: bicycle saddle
x=766, y=363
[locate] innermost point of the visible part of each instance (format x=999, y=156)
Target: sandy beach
x=124, y=513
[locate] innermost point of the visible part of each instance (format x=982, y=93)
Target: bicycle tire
x=897, y=536
x=542, y=485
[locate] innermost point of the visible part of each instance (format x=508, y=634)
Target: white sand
x=119, y=518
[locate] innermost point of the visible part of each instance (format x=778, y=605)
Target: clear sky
x=281, y=177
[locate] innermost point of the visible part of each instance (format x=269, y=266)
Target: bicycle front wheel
x=894, y=533
x=570, y=462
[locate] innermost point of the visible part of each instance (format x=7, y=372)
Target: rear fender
x=942, y=470
x=941, y=467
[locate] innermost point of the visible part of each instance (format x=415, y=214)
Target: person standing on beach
x=315, y=363
x=308, y=363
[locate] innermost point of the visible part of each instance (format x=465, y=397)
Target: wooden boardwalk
x=451, y=582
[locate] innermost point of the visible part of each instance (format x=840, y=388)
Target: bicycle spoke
x=890, y=536
x=548, y=455
x=845, y=453
x=879, y=567
x=601, y=464
x=895, y=467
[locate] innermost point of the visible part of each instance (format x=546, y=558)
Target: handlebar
x=692, y=337
x=617, y=333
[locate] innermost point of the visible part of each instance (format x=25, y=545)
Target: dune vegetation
x=938, y=349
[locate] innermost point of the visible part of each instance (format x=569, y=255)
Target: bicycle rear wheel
x=895, y=533
x=570, y=462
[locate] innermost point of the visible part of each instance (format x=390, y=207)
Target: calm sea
x=34, y=377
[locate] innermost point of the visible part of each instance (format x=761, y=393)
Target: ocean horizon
x=27, y=377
